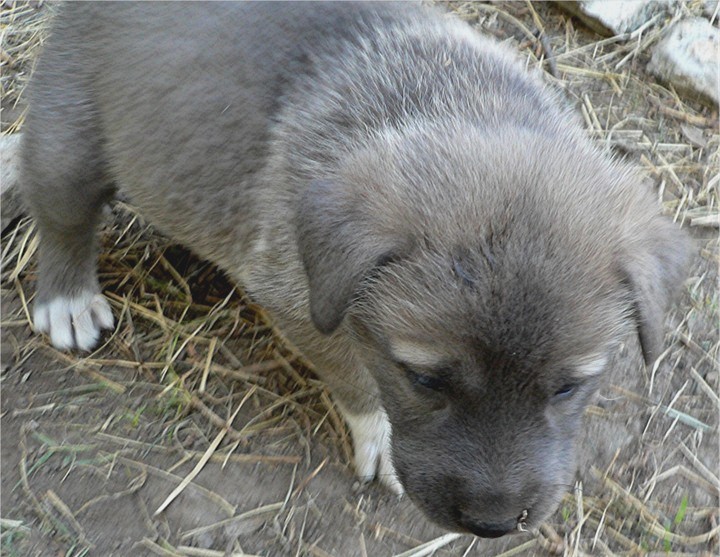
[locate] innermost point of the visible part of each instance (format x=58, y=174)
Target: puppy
x=426, y=221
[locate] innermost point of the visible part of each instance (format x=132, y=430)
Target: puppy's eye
x=422, y=380
x=565, y=392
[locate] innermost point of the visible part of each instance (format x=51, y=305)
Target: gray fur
x=369, y=173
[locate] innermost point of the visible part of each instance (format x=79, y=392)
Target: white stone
x=616, y=17
x=688, y=58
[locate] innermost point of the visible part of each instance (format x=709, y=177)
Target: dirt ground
x=195, y=430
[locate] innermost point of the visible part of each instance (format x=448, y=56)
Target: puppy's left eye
x=565, y=392
x=428, y=382
x=424, y=381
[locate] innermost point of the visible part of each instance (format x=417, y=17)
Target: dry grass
x=211, y=353
x=22, y=28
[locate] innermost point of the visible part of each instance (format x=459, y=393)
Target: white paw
x=74, y=322
x=371, y=439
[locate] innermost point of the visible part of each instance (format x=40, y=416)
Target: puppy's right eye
x=565, y=392
x=422, y=380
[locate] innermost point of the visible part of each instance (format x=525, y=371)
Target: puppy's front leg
x=371, y=434
x=356, y=394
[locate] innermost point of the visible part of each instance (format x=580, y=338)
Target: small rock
x=10, y=203
x=616, y=17
x=687, y=58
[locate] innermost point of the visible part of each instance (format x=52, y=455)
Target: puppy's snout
x=491, y=515
x=491, y=529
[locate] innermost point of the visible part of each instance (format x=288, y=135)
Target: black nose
x=491, y=529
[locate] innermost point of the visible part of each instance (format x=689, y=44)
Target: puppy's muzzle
x=492, y=529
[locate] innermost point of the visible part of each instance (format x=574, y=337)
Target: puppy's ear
x=341, y=243
x=655, y=265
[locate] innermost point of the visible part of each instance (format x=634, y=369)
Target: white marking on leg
x=371, y=435
x=74, y=322
x=41, y=318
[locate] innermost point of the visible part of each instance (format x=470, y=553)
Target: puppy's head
x=489, y=279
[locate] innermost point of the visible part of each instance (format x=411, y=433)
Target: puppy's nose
x=491, y=529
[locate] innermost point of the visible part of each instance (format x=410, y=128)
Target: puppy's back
x=178, y=100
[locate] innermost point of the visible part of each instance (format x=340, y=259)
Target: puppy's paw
x=74, y=322
x=371, y=439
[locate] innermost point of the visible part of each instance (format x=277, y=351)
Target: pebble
x=616, y=17
x=687, y=58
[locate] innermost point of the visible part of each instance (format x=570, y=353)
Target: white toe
x=74, y=322
x=387, y=474
x=41, y=318
x=86, y=332
x=371, y=435
x=61, y=332
x=102, y=313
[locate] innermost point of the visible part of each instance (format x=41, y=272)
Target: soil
x=92, y=445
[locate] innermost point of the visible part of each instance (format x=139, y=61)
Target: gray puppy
x=425, y=220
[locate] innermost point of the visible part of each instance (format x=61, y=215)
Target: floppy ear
x=340, y=244
x=655, y=266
